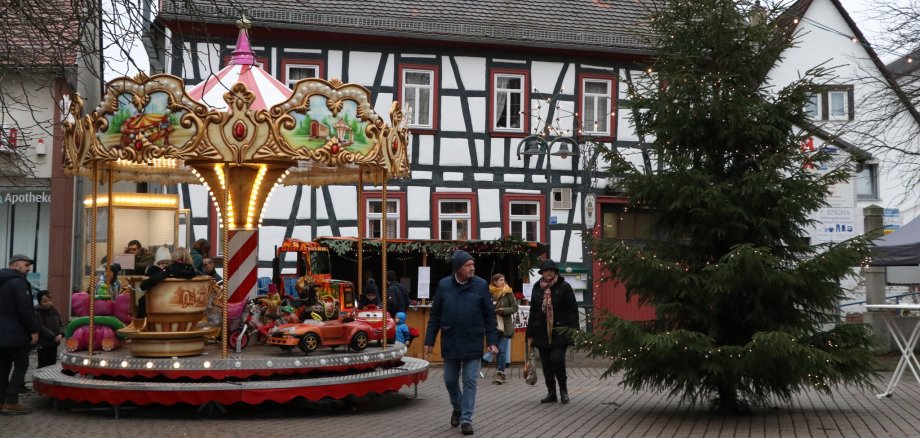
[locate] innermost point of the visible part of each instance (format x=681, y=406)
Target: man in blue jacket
x=462, y=311
x=18, y=330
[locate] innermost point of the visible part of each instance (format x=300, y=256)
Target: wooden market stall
x=512, y=257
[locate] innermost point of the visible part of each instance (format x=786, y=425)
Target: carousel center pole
x=110, y=234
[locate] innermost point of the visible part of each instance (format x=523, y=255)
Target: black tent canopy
x=900, y=248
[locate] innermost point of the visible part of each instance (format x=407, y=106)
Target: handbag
x=501, y=324
x=530, y=371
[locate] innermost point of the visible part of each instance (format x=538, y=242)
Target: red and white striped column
x=242, y=275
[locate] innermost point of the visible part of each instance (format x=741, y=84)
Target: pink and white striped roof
x=242, y=68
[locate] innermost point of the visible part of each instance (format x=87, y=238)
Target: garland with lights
x=528, y=252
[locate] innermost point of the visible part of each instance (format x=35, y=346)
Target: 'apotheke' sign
x=25, y=197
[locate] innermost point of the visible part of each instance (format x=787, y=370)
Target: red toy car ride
x=374, y=317
x=312, y=334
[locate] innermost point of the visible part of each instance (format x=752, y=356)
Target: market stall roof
x=900, y=248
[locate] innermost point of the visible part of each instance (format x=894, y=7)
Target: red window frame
x=436, y=199
x=377, y=195
x=318, y=63
x=435, y=94
x=507, y=199
x=525, y=102
x=613, y=104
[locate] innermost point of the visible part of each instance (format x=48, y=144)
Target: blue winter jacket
x=464, y=315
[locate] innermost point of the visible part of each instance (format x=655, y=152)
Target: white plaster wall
x=334, y=68
x=388, y=75
x=451, y=114
x=425, y=149
x=268, y=238
x=420, y=210
x=489, y=202
x=477, y=107
x=472, y=72
x=498, y=152
x=448, y=81
x=455, y=152
x=279, y=206
x=543, y=75
x=362, y=67
x=345, y=200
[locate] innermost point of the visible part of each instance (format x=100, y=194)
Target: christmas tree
x=743, y=300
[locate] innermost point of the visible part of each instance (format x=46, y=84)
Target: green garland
x=443, y=249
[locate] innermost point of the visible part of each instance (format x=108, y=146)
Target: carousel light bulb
x=176, y=365
x=124, y=364
x=85, y=361
x=103, y=363
x=149, y=365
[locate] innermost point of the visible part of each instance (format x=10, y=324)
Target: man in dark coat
x=462, y=311
x=552, y=306
x=18, y=330
x=397, y=297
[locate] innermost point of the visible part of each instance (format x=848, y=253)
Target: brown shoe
x=15, y=409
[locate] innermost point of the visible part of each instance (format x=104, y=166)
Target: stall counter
x=418, y=317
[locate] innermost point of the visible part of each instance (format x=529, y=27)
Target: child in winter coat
x=402, y=330
x=51, y=329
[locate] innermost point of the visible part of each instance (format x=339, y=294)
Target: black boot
x=563, y=396
x=550, y=398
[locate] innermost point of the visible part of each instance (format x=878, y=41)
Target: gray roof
x=617, y=26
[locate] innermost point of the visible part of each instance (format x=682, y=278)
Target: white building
x=479, y=77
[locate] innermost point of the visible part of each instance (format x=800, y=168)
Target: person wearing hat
x=18, y=331
x=552, y=306
x=369, y=296
x=462, y=311
x=397, y=295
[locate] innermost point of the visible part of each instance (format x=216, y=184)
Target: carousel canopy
x=243, y=69
x=153, y=129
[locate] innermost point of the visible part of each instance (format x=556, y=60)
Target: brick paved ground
x=599, y=408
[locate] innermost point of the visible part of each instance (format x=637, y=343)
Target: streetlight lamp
x=566, y=146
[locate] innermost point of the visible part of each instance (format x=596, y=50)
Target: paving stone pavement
x=599, y=408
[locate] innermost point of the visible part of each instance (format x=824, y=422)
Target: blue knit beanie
x=459, y=258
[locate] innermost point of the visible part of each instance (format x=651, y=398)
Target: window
x=510, y=100
x=373, y=214
x=837, y=107
x=597, y=105
x=454, y=215
x=834, y=103
x=813, y=107
x=419, y=94
x=523, y=216
x=867, y=182
x=295, y=70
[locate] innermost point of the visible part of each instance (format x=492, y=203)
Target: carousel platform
x=259, y=374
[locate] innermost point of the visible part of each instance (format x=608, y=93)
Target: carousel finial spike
x=243, y=54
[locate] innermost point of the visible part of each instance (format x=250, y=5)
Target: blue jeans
x=504, y=350
x=462, y=400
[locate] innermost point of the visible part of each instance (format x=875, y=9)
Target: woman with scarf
x=505, y=306
x=552, y=306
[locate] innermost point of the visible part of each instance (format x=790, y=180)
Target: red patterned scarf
x=548, y=304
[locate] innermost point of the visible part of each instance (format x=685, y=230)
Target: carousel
x=241, y=133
